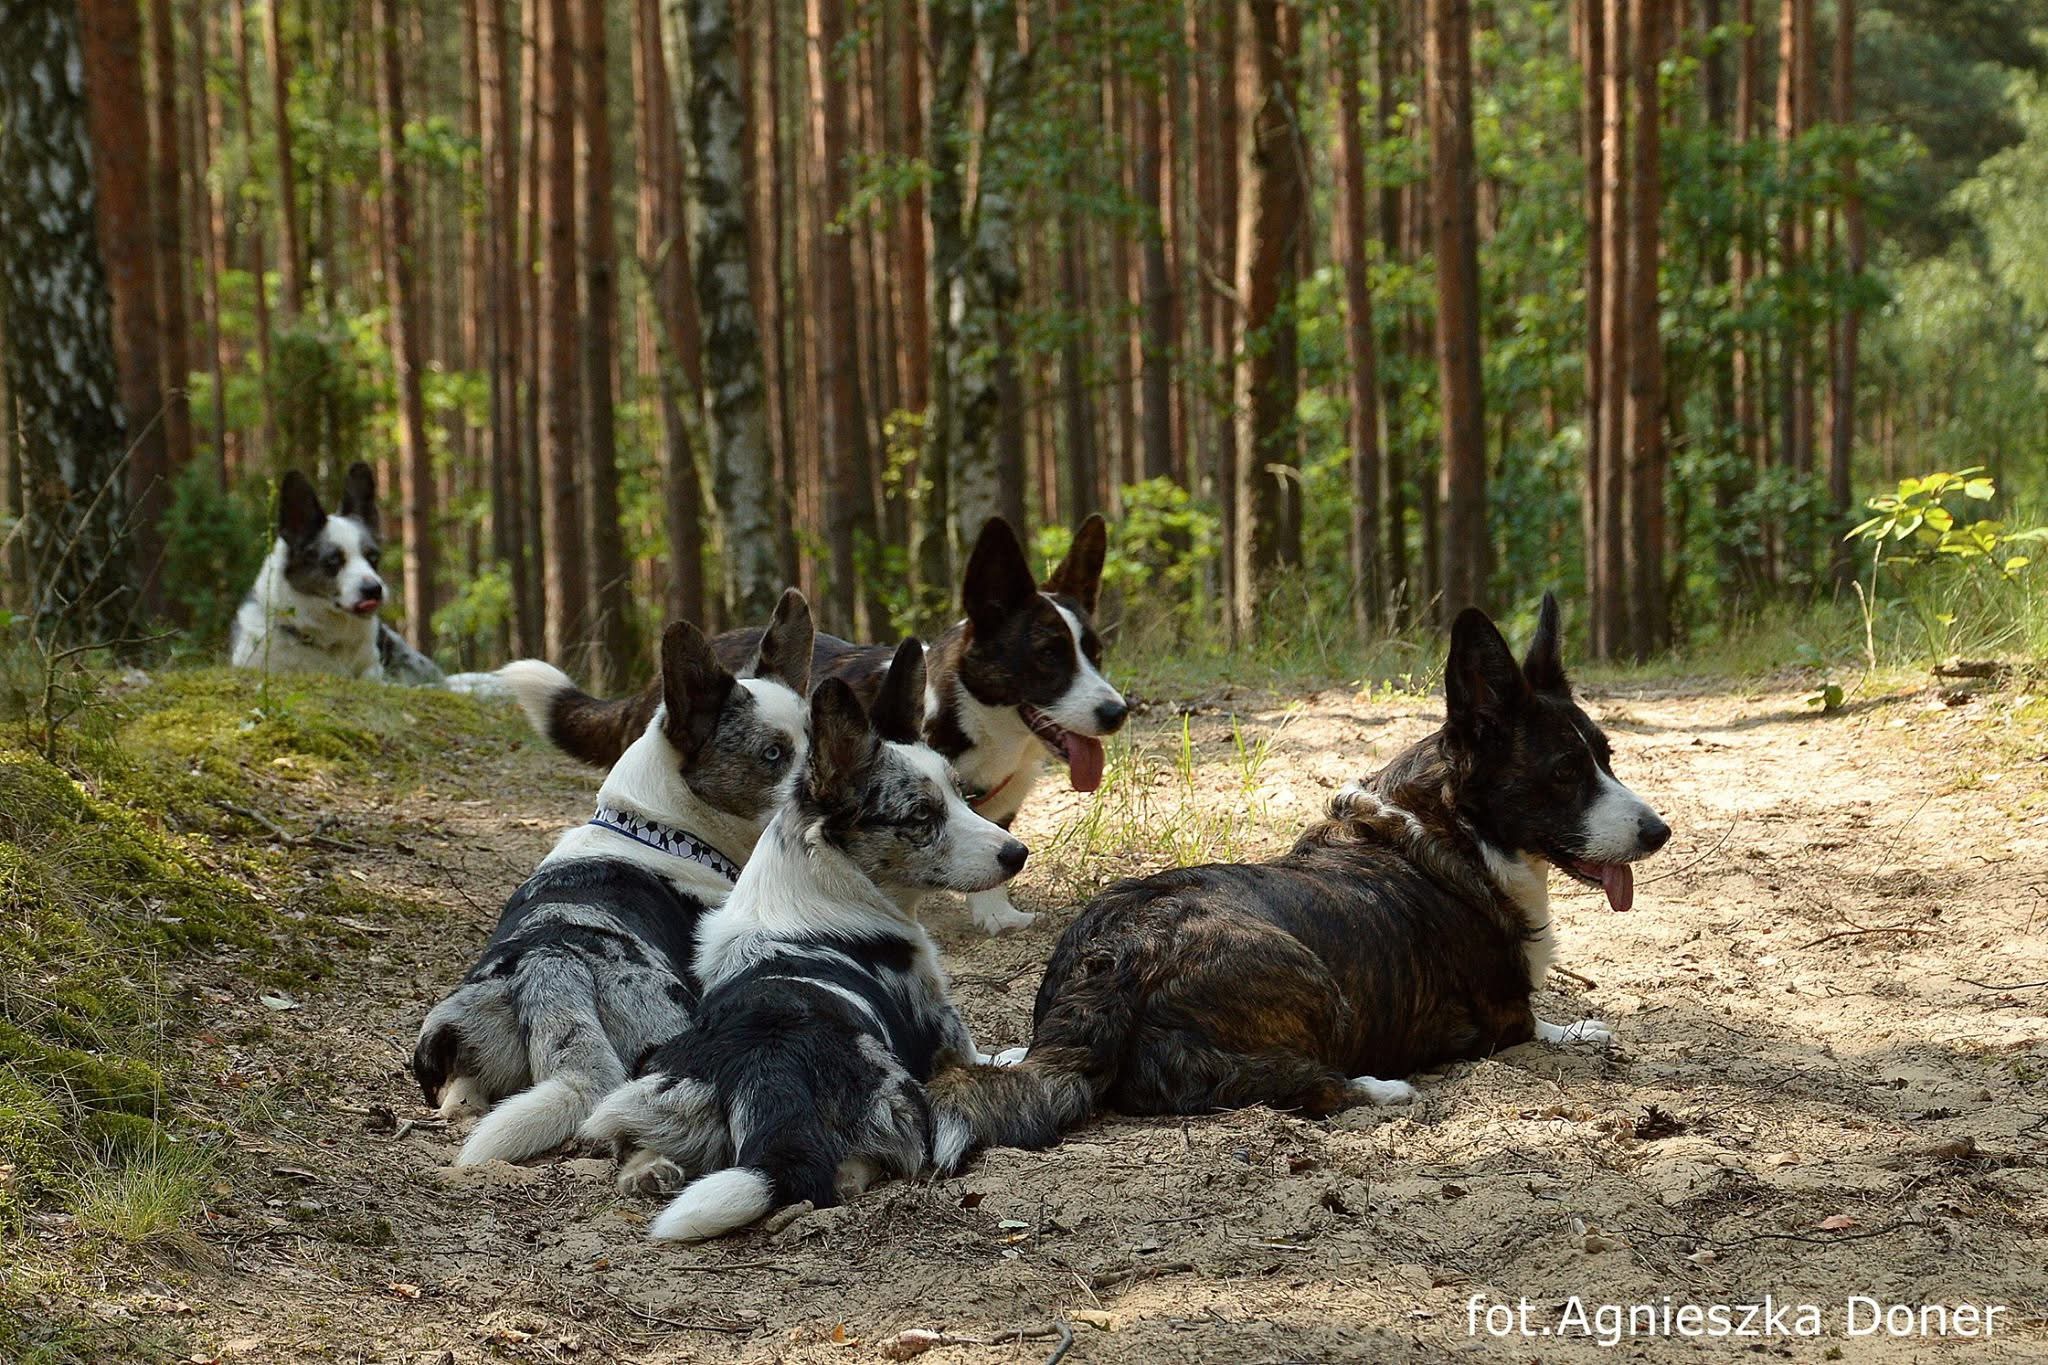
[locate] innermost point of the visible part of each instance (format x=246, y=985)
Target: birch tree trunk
x=988, y=479
x=741, y=461
x=58, y=330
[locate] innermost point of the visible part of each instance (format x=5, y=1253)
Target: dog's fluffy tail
x=1076, y=1054
x=580, y=725
x=716, y=1204
x=534, y=1120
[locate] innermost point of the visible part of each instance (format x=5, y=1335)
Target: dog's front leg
x=993, y=913
x=1592, y=1031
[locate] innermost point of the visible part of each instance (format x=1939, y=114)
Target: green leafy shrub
x=1946, y=562
x=214, y=542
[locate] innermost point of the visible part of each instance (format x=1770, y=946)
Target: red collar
x=977, y=802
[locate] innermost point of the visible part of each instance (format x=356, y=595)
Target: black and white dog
x=825, y=1008
x=591, y=963
x=1406, y=930
x=1018, y=679
x=315, y=603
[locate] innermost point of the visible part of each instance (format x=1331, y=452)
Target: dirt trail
x=1809, y=1097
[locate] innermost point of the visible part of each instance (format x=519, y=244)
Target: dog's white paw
x=647, y=1171
x=1591, y=1031
x=1373, y=1090
x=993, y=913
x=462, y=1099
x=1009, y=1056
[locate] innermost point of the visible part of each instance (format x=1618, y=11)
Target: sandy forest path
x=1829, y=1081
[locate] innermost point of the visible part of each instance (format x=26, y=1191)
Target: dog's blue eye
x=772, y=754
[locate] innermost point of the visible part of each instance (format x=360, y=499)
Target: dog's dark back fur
x=652, y=925
x=1379, y=945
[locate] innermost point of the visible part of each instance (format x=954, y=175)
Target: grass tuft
x=149, y=1199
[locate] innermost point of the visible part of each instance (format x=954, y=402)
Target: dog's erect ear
x=1079, y=575
x=1483, y=685
x=785, y=651
x=299, y=514
x=359, y=495
x=1543, y=665
x=998, y=579
x=694, y=688
x=842, y=740
x=899, y=707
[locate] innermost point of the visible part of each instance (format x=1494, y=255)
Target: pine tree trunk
x=559, y=369
x=61, y=375
x=209, y=208
x=1394, y=574
x=166, y=135
x=843, y=434
x=1848, y=326
x=111, y=32
x=290, y=284
x=665, y=261
x=606, y=585
x=1368, y=599
x=1610, y=606
x=742, y=462
x=1448, y=68
x=915, y=328
x=1643, y=548
x=258, y=257
x=1590, y=34
x=533, y=583
x=1155, y=384
x=415, y=461
x=1727, y=445
x=498, y=144
x=1273, y=213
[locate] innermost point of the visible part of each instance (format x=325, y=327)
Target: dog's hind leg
x=572, y=1059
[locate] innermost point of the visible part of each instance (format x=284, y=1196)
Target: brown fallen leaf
x=1838, y=1222
x=408, y=1292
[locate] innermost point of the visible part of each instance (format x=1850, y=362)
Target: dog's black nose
x=1651, y=832
x=372, y=592
x=1012, y=857
x=1109, y=716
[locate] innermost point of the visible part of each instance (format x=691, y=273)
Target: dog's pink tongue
x=1084, y=761
x=1620, y=884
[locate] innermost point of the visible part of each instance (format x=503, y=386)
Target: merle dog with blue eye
x=591, y=962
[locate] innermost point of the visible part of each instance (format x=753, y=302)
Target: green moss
x=133, y=851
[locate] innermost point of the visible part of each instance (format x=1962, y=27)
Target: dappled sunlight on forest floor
x=1828, y=1081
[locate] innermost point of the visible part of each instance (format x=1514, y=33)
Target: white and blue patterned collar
x=665, y=838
